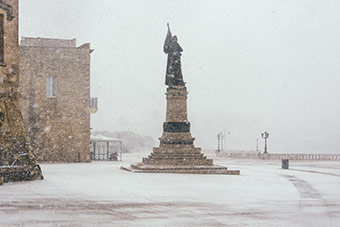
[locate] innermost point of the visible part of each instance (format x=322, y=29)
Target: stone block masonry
x=56, y=98
x=17, y=162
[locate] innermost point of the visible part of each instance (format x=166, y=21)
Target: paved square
x=100, y=194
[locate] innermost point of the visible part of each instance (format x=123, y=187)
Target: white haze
x=250, y=66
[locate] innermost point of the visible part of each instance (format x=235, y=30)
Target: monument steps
x=175, y=156
x=140, y=168
x=177, y=149
x=179, y=162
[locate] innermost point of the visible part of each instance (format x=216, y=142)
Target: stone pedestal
x=176, y=152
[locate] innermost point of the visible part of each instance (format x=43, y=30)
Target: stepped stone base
x=142, y=168
x=176, y=152
x=177, y=155
x=179, y=158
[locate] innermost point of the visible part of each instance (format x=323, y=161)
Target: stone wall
x=17, y=163
x=321, y=157
x=257, y=155
x=45, y=42
x=58, y=127
x=238, y=154
x=10, y=45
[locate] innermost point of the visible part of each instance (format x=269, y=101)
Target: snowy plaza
x=101, y=194
x=231, y=120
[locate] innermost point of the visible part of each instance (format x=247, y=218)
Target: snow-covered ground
x=100, y=194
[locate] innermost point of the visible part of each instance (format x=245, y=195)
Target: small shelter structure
x=104, y=148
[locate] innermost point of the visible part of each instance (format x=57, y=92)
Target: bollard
x=285, y=163
x=1, y=180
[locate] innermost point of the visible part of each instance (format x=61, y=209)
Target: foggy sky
x=249, y=66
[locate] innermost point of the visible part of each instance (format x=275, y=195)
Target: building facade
x=17, y=163
x=56, y=98
x=8, y=45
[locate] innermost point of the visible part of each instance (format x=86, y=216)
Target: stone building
x=17, y=162
x=56, y=98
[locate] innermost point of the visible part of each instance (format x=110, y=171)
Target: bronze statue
x=172, y=48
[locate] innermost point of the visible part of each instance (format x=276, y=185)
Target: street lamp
x=219, y=137
x=265, y=136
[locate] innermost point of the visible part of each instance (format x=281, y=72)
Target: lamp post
x=222, y=141
x=219, y=137
x=265, y=136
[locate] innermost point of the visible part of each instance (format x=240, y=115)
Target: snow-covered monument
x=176, y=152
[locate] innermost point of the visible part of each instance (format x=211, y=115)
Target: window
x=94, y=103
x=2, y=52
x=51, y=86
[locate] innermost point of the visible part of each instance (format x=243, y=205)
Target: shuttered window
x=51, y=86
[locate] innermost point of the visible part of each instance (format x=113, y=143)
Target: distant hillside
x=132, y=142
